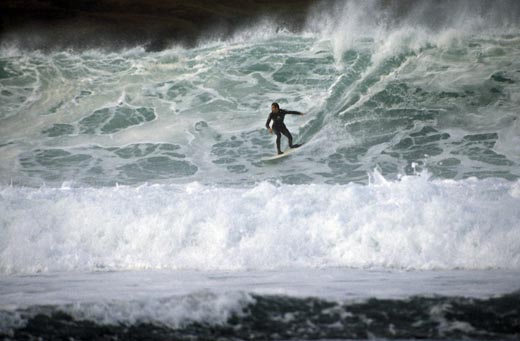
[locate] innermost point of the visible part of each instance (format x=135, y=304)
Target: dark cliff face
x=54, y=24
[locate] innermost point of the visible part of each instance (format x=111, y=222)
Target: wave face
x=433, y=87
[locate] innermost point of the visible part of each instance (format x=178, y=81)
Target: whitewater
x=132, y=188
x=410, y=224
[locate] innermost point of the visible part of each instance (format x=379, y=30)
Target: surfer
x=277, y=115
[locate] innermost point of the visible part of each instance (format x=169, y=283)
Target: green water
x=101, y=118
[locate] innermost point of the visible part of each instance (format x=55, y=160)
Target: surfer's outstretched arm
x=294, y=112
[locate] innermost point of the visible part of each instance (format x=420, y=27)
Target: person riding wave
x=277, y=115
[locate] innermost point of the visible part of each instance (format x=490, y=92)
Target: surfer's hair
x=275, y=105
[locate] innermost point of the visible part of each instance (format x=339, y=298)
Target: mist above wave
x=48, y=25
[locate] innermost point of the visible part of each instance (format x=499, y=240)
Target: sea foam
x=412, y=223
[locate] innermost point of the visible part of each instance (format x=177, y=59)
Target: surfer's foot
x=280, y=153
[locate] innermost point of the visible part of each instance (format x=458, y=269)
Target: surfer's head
x=275, y=107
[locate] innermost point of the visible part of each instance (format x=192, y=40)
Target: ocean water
x=134, y=202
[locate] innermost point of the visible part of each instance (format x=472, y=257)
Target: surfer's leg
x=278, y=137
x=286, y=132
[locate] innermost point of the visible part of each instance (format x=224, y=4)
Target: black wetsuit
x=279, y=127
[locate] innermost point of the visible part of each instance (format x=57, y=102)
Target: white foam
x=412, y=223
x=202, y=307
x=172, y=311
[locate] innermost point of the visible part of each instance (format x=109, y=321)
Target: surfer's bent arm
x=268, y=121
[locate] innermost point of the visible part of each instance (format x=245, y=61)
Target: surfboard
x=287, y=152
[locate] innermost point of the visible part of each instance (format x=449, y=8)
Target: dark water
x=281, y=317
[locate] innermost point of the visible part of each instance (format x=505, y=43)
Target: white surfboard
x=285, y=153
